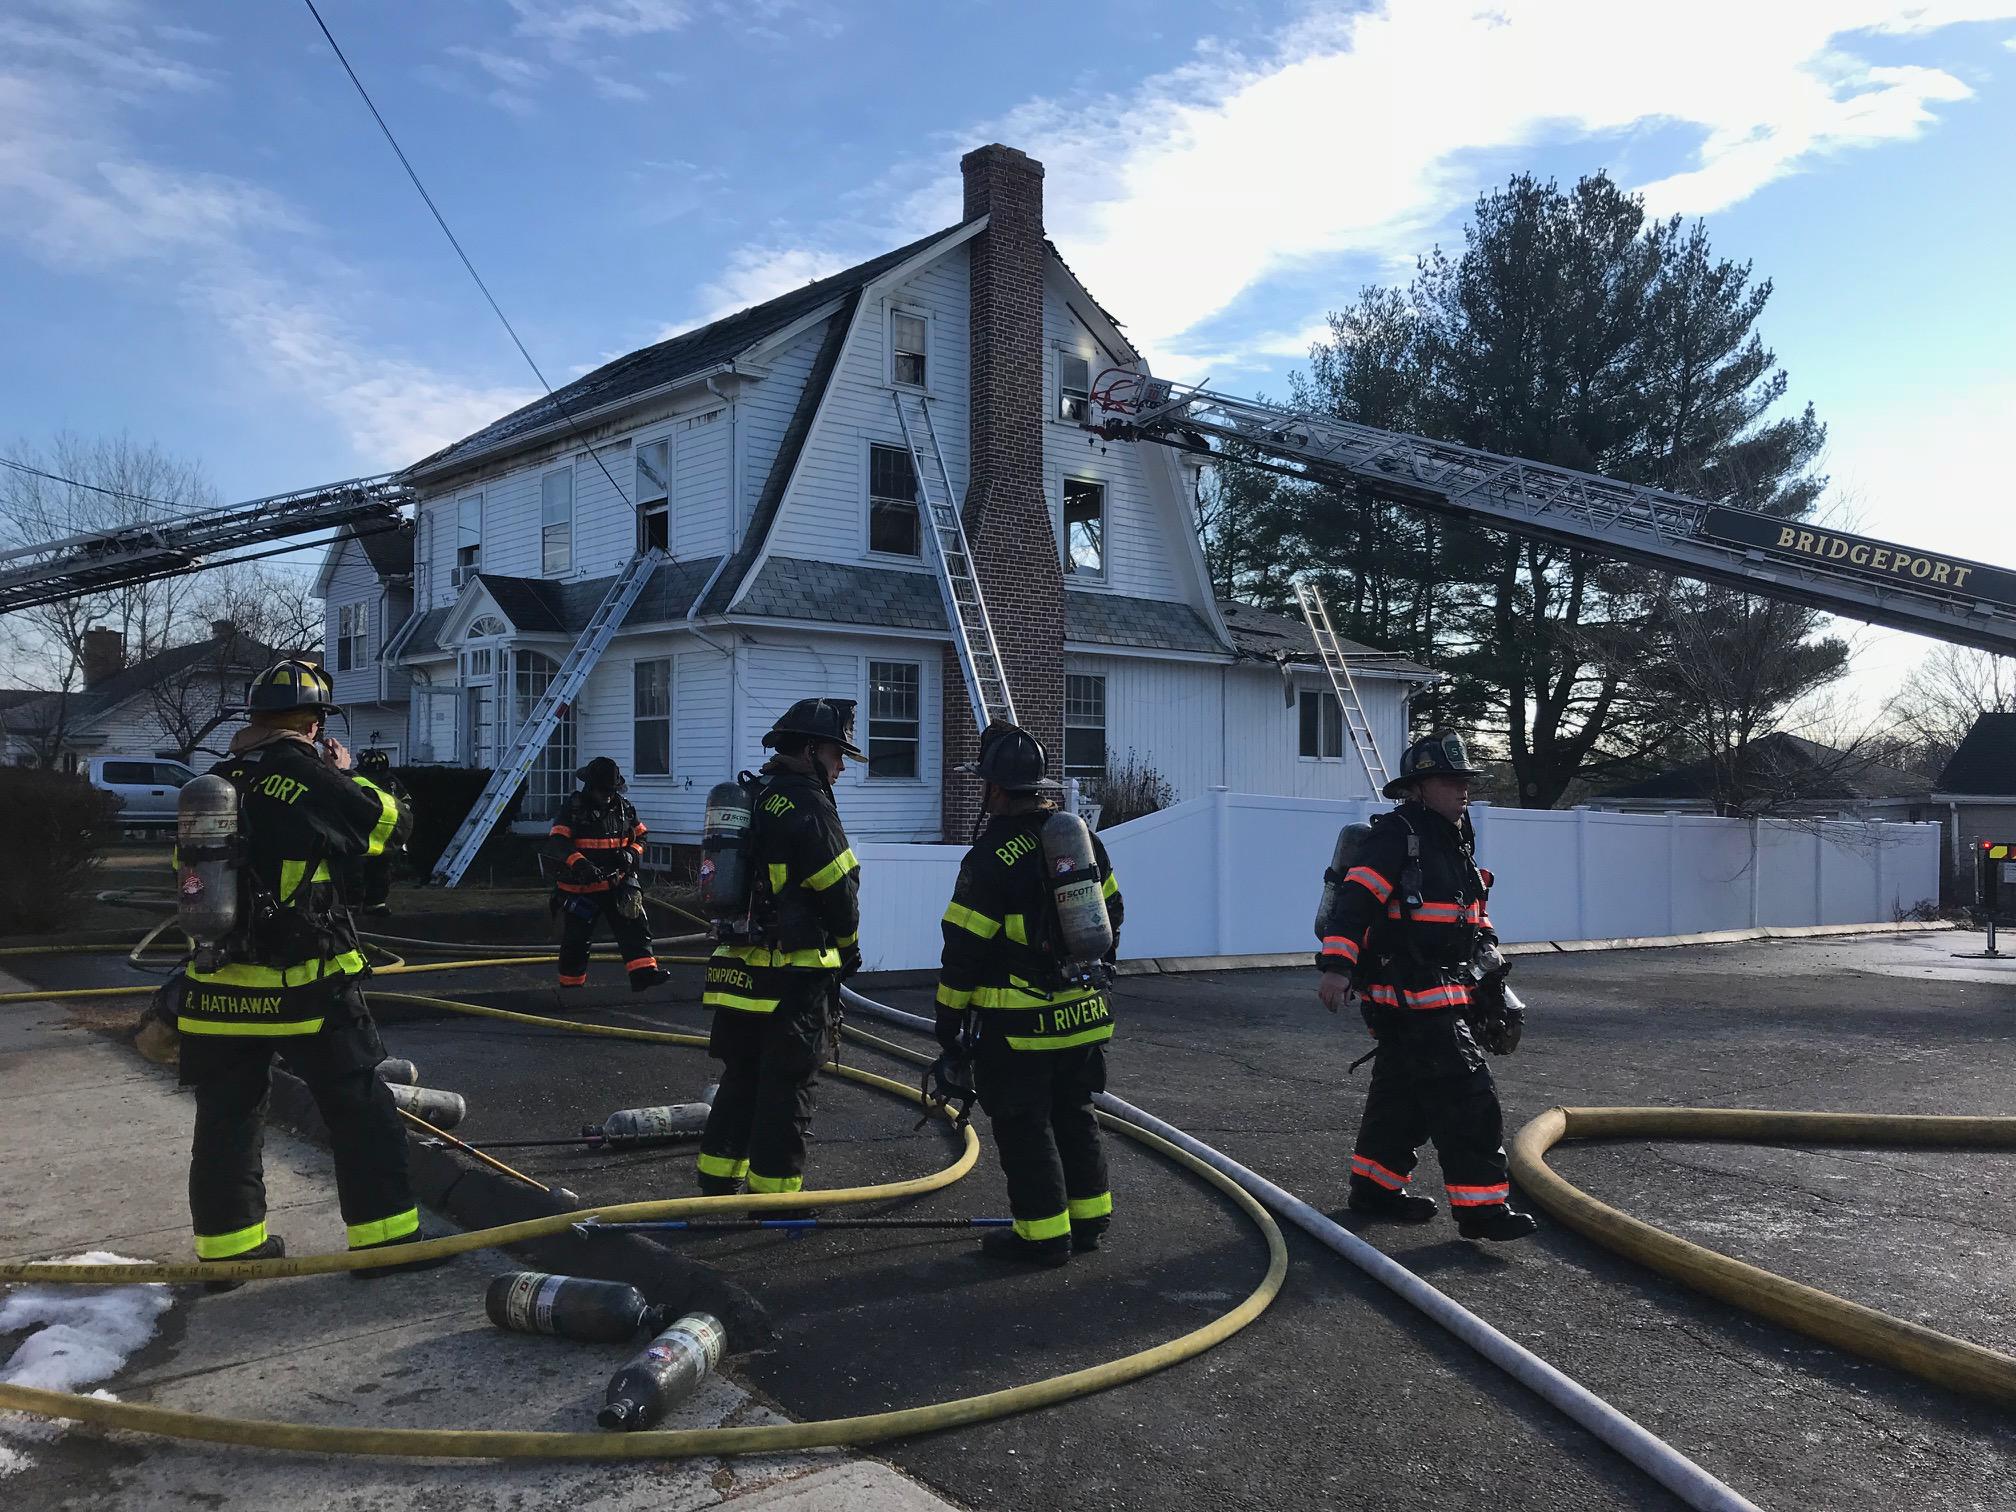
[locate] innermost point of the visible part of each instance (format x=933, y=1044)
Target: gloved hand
x=951, y=1022
x=850, y=961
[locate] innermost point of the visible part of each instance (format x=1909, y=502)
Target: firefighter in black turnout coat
x=1033, y=1044
x=1404, y=935
x=776, y=998
x=598, y=841
x=287, y=980
x=368, y=882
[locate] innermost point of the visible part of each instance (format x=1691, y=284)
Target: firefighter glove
x=850, y=961
x=948, y=1080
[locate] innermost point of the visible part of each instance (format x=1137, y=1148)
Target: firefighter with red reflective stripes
x=1406, y=927
x=776, y=998
x=598, y=841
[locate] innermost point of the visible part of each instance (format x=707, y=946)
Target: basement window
x=909, y=340
x=1322, y=726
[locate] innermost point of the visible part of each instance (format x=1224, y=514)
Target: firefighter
x=288, y=980
x=368, y=884
x=1034, y=1044
x=598, y=841
x=777, y=1003
x=1406, y=928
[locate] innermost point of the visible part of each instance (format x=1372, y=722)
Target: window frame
x=468, y=542
x=916, y=742
x=1065, y=352
x=353, y=636
x=922, y=317
x=1079, y=769
x=1323, y=725
x=1074, y=574
x=871, y=497
x=638, y=719
x=652, y=507
x=547, y=525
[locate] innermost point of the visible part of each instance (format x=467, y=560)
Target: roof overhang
x=708, y=378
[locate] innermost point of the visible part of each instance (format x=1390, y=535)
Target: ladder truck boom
x=1905, y=588
x=127, y=554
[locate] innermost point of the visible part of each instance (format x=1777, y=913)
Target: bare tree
x=116, y=482
x=1939, y=702
x=270, y=605
x=206, y=692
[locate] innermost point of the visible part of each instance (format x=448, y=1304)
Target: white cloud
x=76, y=192
x=1353, y=135
x=569, y=21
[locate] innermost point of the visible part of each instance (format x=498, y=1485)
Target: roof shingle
x=1985, y=761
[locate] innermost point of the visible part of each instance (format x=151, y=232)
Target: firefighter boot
x=1497, y=1221
x=400, y=1267
x=1376, y=1201
x=1086, y=1234
x=273, y=1248
x=644, y=981
x=1005, y=1244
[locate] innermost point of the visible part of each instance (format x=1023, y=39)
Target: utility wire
x=442, y=222
x=186, y=510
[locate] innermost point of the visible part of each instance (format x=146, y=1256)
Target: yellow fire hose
x=651, y=1444
x=1923, y=1352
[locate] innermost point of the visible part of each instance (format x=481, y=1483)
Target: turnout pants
x=577, y=933
x=1040, y=1105
x=1429, y=1081
x=770, y=1068
x=231, y=1076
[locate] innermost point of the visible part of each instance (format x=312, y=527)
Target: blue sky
x=204, y=241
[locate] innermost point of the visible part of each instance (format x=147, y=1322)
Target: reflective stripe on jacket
x=596, y=837
x=1408, y=955
x=994, y=959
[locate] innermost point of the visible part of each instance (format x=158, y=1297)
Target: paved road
x=1339, y=1397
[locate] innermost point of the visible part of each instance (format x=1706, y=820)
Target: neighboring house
x=763, y=453
x=366, y=587
x=167, y=705
x=1780, y=775
x=1974, y=799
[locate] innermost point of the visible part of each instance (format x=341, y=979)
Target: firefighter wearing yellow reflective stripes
x=776, y=996
x=287, y=982
x=1402, y=935
x=1036, y=1044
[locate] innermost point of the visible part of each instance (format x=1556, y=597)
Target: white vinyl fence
x=1240, y=873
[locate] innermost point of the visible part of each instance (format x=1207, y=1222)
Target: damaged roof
x=1263, y=635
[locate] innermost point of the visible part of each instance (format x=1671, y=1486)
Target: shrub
x=442, y=797
x=56, y=825
x=1130, y=789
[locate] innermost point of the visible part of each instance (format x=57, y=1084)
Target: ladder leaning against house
x=516, y=760
x=958, y=580
x=1310, y=597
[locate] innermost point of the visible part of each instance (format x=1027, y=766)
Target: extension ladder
x=516, y=762
x=1310, y=597
x=958, y=581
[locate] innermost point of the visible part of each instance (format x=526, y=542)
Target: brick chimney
x=223, y=630
x=103, y=654
x=1007, y=515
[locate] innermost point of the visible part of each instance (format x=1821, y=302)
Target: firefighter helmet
x=1011, y=758
x=819, y=719
x=292, y=684
x=602, y=775
x=374, y=760
x=1437, y=755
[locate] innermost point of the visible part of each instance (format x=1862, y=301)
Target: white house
x=366, y=588
x=764, y=453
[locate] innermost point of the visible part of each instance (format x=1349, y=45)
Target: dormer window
x=909, y=341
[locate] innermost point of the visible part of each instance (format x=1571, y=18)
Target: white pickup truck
x=146, y=786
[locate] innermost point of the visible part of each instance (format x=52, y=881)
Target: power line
x=185, y=510
x=442, y=222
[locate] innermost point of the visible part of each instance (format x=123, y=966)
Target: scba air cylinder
x=1350, y=848
x=725, y=875
x=206, y=842
x=1076, y=887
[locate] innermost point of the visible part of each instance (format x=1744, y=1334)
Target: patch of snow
x=82, y=1335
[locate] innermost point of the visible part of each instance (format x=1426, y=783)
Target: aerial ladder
x=119, y=557
x=1948, y=598
x=958, y=578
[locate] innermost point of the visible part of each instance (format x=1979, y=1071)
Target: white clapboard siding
x=354, y=584
x=765, y=410
x=605, y=523
x=702, y=470
x=825, y=516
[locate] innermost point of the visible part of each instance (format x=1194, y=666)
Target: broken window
x=1084, y=528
